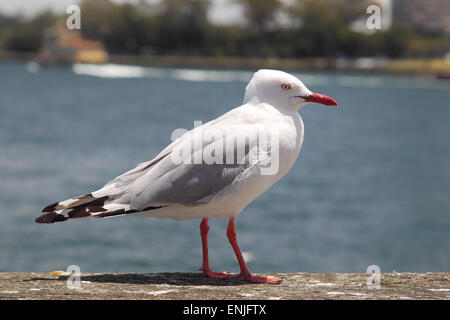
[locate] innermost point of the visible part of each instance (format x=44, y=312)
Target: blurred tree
x=183, y=25
x=355, y=44
x=396, y=41
x=26, y=34
x=324, y=25
x=126, y=29
x=260, y=16
x=260, y=13
x=320, y=27
x=224, y=41
x=6, y=22
x=94, y=18
x=122, y=27
x=351, y=10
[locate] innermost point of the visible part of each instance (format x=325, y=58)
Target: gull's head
x=282, y=90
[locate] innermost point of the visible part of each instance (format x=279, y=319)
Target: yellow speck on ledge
x=60, y=273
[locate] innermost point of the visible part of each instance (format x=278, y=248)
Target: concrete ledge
x=194, y=286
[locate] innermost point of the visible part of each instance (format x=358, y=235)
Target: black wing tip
x=50, y=207
x=50, y=217
x=84, y=211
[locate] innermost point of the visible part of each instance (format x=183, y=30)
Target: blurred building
x=424, y=15
x=62, y=46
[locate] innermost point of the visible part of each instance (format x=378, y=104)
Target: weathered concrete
x=195, y=286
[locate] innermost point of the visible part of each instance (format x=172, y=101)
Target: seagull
x=213, y=171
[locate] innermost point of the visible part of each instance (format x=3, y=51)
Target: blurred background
x=79, y=107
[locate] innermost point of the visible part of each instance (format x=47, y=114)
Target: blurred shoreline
x=423, y=67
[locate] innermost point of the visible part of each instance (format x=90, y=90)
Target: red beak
x=320, y=98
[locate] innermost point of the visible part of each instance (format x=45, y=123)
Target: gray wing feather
x=186, y=184
x=161, y=181
x=170, y=183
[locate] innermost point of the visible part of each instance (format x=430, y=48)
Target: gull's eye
x=285, y=86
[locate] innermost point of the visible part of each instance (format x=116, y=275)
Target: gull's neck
x=285, y=110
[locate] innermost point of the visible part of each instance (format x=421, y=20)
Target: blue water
x=371, y=185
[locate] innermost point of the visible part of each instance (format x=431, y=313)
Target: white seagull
x=214, y=170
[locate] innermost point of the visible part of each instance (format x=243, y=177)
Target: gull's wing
x=187, y=180
x=163, y=182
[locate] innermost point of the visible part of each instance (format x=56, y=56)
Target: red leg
x=245, y=273
x=204, y=228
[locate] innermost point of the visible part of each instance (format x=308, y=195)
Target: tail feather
x=75, y=202
x=78, y=207
x=84, y=207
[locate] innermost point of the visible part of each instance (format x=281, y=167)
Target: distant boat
x=64, y=46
